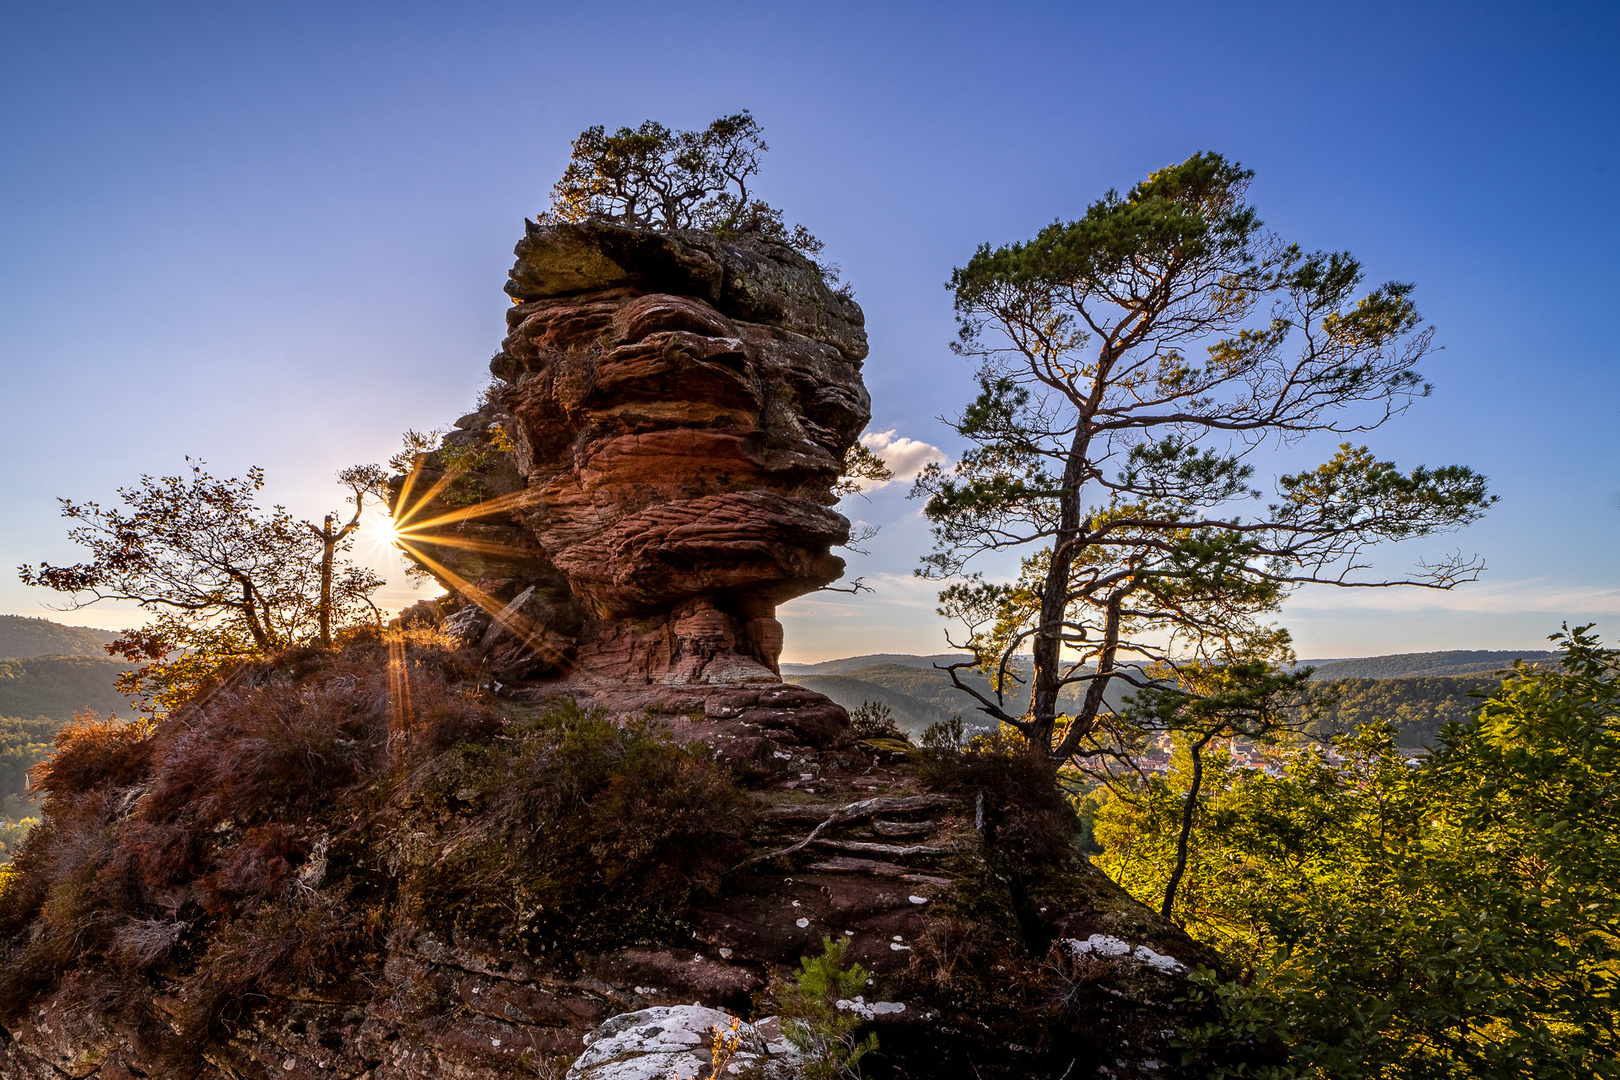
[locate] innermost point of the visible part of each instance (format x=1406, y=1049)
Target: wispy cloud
x=1527, y=596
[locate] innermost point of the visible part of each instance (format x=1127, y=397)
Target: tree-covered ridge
x=21, y=636
x=38, y=695
x=56, y=687
x=1417, y=708
x=937, y=692
x=1448, y=662
x=1417, y=705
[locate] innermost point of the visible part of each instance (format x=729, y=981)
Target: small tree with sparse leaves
x=650, y=177
x=222, y=578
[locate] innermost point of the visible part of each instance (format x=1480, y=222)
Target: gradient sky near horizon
x=276, y=234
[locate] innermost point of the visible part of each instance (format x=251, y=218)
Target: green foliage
x=815, y=1026
x=460, y=460
x=1197, y=704
x=1456, y=916
x=861, y=467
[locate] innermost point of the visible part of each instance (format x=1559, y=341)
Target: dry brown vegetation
x=257, y=838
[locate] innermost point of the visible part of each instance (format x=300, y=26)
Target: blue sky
x=276, y=234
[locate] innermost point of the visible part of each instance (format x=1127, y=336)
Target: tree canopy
x=220, y=577
x=1130, y=363
x=650, y=177
x=1450, y=916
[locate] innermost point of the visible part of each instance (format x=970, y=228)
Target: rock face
x=653, y=474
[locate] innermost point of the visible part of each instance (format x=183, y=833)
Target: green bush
x=1454, y=916
x=826, y=1036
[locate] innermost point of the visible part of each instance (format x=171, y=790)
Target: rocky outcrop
x=575, y=787
x=290, y=880
x=679, y=1040
x=653, y=473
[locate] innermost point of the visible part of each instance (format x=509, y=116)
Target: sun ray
x=499, y=504
x=463, y=543
x=501, y=613
x=405, y=489
x=399, y=692
x=432, y=492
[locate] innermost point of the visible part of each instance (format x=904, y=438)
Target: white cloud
x=904, y=456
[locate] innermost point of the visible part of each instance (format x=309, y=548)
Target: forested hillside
x=23, y=744
x=59, y=686
x=910, y=688
x=1429, y=664
x=1418, y=692
x=855, y=663
x=1417, y=706
x=21, y=636
x=912, y=714
x=38, y=694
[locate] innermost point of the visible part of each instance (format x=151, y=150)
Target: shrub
x=577, y=830
x=825, y=1035
x=94, y=753
x=875, y=720
x=209, y=818
x=1018, y=805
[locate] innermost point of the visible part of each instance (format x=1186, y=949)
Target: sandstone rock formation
x=576, y=788
x=653, y=474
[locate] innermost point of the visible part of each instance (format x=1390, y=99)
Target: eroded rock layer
x=653, y=473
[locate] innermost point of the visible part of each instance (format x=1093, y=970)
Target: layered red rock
x=657, y=463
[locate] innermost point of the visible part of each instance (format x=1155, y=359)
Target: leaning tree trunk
x=1188, y=807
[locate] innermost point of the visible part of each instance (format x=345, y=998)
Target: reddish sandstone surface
x=654, y=473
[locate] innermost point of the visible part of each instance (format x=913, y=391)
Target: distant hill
x=910, y=685
x=1418, y=705
x=21, y=636
x=56, y=687
x=913, y=715
x=1419, y=692
x=855, y=663
x=38, y=694
x=1428, y=664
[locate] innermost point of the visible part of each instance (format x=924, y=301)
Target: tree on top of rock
x=650, y=177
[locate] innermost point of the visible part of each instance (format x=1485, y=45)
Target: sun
x=378, y=533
